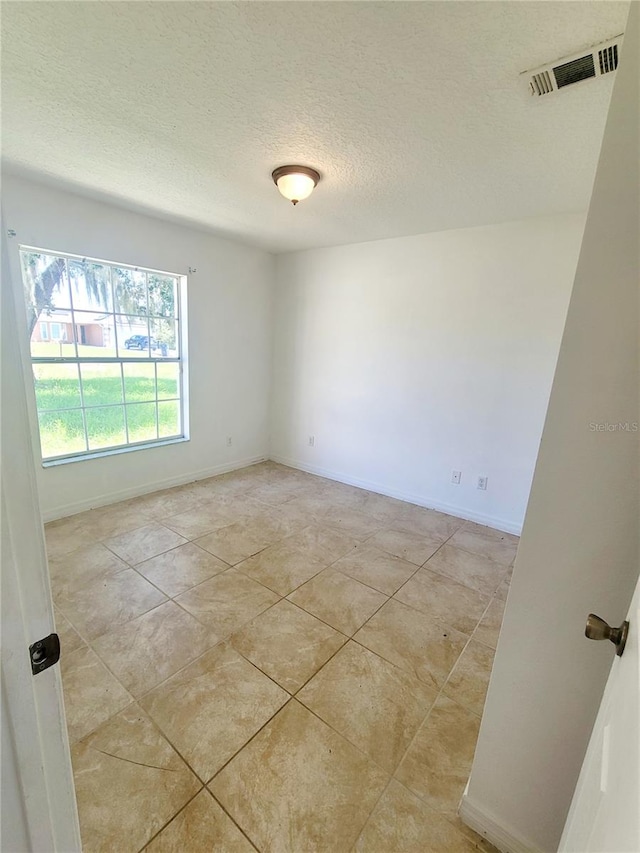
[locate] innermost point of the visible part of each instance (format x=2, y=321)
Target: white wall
x=230, y=308
x=579, y=546
x=413, y=357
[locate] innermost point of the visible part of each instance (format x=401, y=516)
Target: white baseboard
x=420, y=500
x=503, y=837
x=155, y=486
x=147, y=488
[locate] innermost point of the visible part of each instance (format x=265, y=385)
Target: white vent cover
x=587, y=65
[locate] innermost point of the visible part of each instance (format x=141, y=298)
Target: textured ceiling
x=412, y=111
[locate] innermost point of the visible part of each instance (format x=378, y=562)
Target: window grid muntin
x=124, y=403
x=61, y=308
x=108, y=405
x=155, y=374
x=107, y=359
x=82, y=407
x=174, y=318
x=73, y=325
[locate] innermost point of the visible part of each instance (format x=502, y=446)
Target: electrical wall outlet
x=229, y=441
x=312, y=441
x=482, y=483
x=456, y=476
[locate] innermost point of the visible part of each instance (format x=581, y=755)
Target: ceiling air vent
x=541, y=83
x=608, y=58
x=574, y=71
x=594, y=62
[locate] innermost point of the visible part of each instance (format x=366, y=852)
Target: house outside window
x=107, y=349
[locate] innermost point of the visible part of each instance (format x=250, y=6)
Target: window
x=108, y=370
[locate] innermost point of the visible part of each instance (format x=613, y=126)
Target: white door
x=605, y=813
x=38, y=800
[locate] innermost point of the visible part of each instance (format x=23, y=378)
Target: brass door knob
x=598, y=629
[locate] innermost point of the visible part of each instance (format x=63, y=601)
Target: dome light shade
x=295, y=182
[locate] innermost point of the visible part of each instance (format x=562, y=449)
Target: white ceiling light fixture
x=295, y=182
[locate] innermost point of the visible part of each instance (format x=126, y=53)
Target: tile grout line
x=138, y=700
x=253, y=736
x=129, y=565
x=393, y=776
x=439, y=694
x=171, y=819
x=427, y=715
x=320, y=719
x=227, y=638
x=389, y=598
x=121, y=625
x=390, y=774
x=289, y=698
x=231, y=818
x=224, y=639
x=189, y=767
x=321, y=667
x=343, y=737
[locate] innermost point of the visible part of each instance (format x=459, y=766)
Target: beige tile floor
x=271, y=661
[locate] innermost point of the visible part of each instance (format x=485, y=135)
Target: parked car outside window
x=142, y=342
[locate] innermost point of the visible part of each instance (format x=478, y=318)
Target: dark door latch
x=44, y=653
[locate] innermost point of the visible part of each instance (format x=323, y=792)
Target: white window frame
x=44, y=331
x=57, y=326
x=180, y=359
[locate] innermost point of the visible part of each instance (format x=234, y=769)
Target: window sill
x=113, y=451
